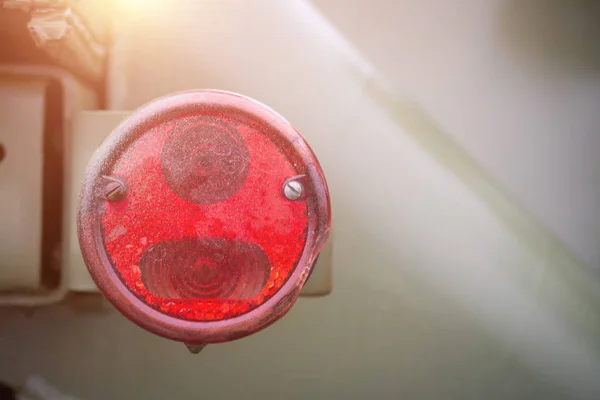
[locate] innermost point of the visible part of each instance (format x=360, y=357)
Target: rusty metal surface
x=61, y=31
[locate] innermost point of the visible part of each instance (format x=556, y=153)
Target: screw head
x=114, y=189
x=292, y=190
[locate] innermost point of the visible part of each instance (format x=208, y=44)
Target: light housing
x=202, y=215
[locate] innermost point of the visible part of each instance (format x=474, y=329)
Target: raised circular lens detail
x=207, y=268
x=205, y=161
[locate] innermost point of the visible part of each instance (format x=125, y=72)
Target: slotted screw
x=292, y=190
x=114, y=189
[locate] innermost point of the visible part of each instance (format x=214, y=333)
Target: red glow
x=257, y=214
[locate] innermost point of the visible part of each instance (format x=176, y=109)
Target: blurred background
x=460, y=141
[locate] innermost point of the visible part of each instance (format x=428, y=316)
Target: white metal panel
x=89, y=131
x=21, y=178
x=21, y=134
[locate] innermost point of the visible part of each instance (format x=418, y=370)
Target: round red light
x=202, y=215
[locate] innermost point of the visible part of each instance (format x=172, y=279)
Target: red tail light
x=202, y=215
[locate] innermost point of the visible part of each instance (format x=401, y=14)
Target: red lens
x=187, y=222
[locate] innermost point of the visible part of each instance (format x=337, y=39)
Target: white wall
x=515, y=82
x=438, y=291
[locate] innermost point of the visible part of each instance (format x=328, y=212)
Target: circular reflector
x=201, y=216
